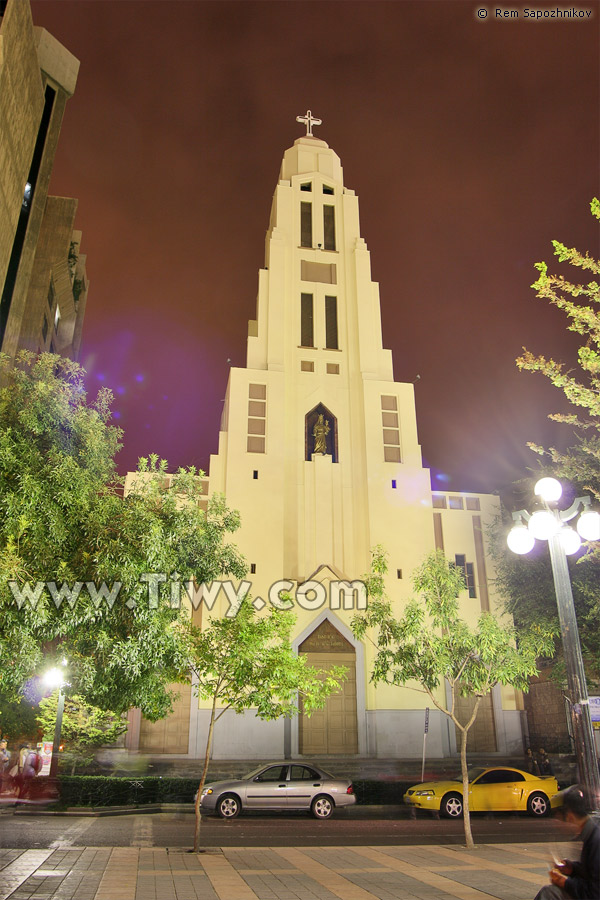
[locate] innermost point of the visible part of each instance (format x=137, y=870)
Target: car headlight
x=207, y=791
x=424, y=793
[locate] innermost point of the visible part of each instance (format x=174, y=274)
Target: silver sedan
x=281, y=786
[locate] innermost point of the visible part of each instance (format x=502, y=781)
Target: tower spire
x=309, y=120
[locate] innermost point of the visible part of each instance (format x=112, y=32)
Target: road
x=358, y=826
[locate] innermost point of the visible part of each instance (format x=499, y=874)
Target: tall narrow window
x=306, y=225
x=331, y=326
x=306, y=324
x=329, y=227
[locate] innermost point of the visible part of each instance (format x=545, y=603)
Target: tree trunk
x=203, y=776
x=465, y=779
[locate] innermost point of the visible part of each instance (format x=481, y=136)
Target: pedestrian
x=4, y=757
x=544, y=764
x=532, y=766
x=576, y=879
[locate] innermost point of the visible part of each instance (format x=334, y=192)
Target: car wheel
x=229, y=806
x=322, y=807
x=538, y=805
x=452, y=806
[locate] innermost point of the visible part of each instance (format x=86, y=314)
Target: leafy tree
x=64, y=520
x=18, y=720
x=527, y=588
x=247, y=662
x=527, y=585
x=431, y=646
x=581, y=305
x=85, y=728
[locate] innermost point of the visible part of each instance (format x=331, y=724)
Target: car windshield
x=474, y=772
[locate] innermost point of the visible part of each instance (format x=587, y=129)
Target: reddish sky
x=471, y=144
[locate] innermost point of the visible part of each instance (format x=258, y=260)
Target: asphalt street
x=382, y=826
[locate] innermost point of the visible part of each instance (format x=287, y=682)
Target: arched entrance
x=332, y=730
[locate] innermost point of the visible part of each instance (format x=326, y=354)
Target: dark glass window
x=45, y=328
x=329, y=227
x=327, y=189
x=468, y=571
x=306, y=187
x=306, y=225
x=306, y=324
x=331, y=326
x=273, y=773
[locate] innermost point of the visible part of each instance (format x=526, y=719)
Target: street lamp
x=549, y=524
x=55, y=678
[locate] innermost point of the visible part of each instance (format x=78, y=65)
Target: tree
x=580, y=303
x=527, y=585
x=527, y=588
x=65, y=523
x=431, y=647
x=247, y=662
x=85, y=728
x=18, y=720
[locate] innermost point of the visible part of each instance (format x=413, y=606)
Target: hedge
x=100, y=790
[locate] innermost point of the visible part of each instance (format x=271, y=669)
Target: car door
x=496, y=789
x=304, y=784
x=268, y=789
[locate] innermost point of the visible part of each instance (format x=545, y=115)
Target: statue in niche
x=320, y=432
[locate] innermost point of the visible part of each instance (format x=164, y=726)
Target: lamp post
x=549, y=524
x=54, y=678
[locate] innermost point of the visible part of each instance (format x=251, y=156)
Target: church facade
x=318, y=450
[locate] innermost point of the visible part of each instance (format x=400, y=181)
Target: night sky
x=471, y=144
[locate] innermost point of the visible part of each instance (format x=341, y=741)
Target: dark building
x=43, y=281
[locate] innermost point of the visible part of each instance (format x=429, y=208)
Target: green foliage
x=102, y=791
x=580, y=303
x=18, y=720
x=84, y=729
x=64, y=519
x=527, y=588
x=247, y=662
x=430, y=645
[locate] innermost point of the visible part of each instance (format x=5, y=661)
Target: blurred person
x=578, y=879
x=532, y=764
x=544, y=764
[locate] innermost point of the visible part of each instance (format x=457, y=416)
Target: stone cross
x=309, y=120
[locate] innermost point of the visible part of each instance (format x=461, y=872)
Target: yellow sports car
x=490, y=789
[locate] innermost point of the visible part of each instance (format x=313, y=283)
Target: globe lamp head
x=569, y=539
x=549, y=489
x=543, y=525
x=520, y=540
x=588, y=525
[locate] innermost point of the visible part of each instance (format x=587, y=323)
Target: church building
x=318, y=450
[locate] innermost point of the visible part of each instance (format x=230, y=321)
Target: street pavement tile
x=227, y=883
x=119, y=880
x=17, y=872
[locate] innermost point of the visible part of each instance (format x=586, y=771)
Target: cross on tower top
x=309, y=120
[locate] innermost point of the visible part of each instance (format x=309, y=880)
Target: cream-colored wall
x=300, y=517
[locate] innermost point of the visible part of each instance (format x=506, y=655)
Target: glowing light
x=549, y=489
x=139, y=378
x=520, y=540
x=120, y=389
x=569, y=539
x=53, y=678
x=588, y=525
x=543, y=525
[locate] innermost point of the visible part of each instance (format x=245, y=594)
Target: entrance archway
x=332, y=730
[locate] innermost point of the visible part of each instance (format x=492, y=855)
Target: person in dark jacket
x=580, y=879
x=544, y=764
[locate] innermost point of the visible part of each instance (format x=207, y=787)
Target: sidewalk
x=503, y=871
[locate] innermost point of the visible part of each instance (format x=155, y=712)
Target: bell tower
x=318, y=446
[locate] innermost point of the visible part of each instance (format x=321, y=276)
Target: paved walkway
x=502, y=871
